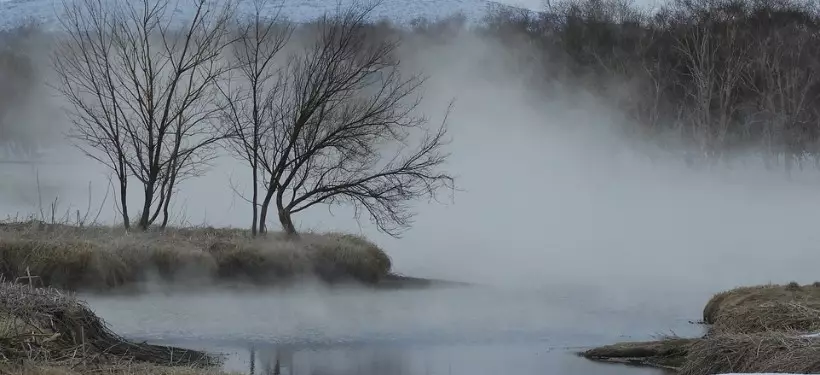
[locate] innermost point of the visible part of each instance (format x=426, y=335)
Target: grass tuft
x=765, y=308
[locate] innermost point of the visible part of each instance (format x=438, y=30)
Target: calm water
x=451, y=331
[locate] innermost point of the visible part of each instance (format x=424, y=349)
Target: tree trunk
x=263, y=211
x=255, y=200
x=123, y=198
x=287, y=223
x=165, y=213
x=145, y=218
x=167, y=202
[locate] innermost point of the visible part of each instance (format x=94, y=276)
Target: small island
x=757, y=329
x=46, y=329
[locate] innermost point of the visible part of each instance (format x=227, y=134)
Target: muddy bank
x=667, y=354
x=750, y=329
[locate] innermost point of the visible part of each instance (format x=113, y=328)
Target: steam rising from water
x=553, y=193
x=582, y=237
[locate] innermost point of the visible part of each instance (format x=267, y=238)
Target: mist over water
x=578, y=237
x=455, y=331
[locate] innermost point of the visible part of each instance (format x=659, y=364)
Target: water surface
x=477, y=330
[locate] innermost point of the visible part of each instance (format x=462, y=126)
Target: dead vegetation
x=668, y=353
x=753, y=353
x=102, y=258
x=755, y=329
x=47, y=326
x=113, y=369
x=783, y=308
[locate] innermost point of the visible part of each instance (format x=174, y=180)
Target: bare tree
x=140, y=80
x=716, y=61
x=339, y=125
x=787, y=75
x=249, y=93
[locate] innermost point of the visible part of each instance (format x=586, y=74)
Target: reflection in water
x=422, y=360
x=272, y=362
x=469, y=331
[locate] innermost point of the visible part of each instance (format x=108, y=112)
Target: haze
x=553, y=192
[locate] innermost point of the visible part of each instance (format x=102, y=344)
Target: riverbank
x=47, y=331
x=112, y=369
x=758, y=329
x=107, y=258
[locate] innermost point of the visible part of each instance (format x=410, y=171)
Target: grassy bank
x=46, y=331
x=751, y=329
x=102, y=258
x=35, y=368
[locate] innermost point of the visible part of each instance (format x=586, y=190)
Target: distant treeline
x=17, y=79
x=721, y=77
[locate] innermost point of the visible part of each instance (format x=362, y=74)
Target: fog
x=552, y=191
x=580, y=233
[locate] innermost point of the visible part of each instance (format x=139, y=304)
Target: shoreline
x=757, y=329
x=666, y=354
x=390, y=282
x=48, y=331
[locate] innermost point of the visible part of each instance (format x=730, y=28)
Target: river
x=474, y=330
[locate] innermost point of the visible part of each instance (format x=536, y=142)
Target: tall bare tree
x=716, y=61
x=787, y=74
x=339, y=126
x=250, y=92
x=140, y=79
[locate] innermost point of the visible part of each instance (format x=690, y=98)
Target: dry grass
x=665, y=353
x=779, y=316
x=122, y=369
x=753, y=329
x=100, y=258
x=790, y=307
x=753, y=353
x=47, y=326
x=757, y=329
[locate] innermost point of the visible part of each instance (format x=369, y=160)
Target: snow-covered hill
x=400, y=11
